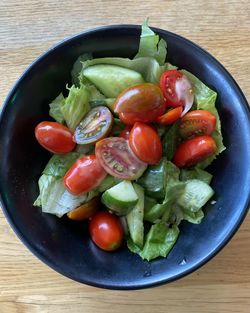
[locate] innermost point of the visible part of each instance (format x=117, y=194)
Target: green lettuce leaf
x=170, y=141
x=55, y=108
x=151, y=46
x=196, y=173
x=205, y=99
x=76, y=106
x=77, y=66
x=159, y=242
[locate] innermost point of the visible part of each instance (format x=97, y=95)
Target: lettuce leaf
x=76, y=106
x=159, y=241
x=196, y=173
x=205, y=99
x=151, y=46
x=55, y=108
x=171, y=140
x=77, y=66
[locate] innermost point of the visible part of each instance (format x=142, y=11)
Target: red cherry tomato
x=177, y=89
x=145, y=143
x=170, y=116
x=144, y=117
x=106, y=231
x=139, y=98
x=125, y=133
x=198, y=122
x=54, y=137
x=194, y=150
x=85, y=174
x=116, y=157
x=85, y=210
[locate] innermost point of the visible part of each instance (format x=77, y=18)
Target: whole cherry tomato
x=125, y=133
x=197, y=122
x=145, y=143
x=194, y=150
x=85, y=210
x=85, y=174
x=54, y=137
x=106, y=231
x=139, y=98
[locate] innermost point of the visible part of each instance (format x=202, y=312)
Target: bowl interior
x=64, y=245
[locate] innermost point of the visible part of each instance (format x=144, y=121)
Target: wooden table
x=27, y=29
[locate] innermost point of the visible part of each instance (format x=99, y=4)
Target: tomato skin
x=54, y=137
x=84, y=211
x=139, y=98
x=85, y=174
x=106, y=231
x=144, y=117
x=145, y=143
x=170, y=116
x=197, y=122
x=194, y=150
x=125, y=133
x=167, y=84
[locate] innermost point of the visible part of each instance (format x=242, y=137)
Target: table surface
x=27, y=29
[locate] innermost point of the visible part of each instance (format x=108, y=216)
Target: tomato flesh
x=116, y=157
x=54, y=137
x=96, y=125
x=139, y=98
x=170, y=116
x=145, y=143
x=196, y=123
x=193, y=151
x=85, y=174
x=106, y=231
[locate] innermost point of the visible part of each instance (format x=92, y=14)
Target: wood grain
x=27, y=29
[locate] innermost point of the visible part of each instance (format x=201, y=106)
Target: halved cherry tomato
x=145, y=143
x=106, y=231
x=85, y=174
x=197, y=122
x=85, y=210
x=144, y=117
x=170, y=116
x=116, y=157
x=194, y=150
x=139, y=98
x=125, y=133
x=177, y=89
x=54, y=137
x=96, y=125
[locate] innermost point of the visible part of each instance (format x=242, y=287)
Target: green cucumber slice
x=196, y=194
x=121, y=198
x=135, y=218
x=111, y=79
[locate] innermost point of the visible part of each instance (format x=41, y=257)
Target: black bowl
x=65, y=246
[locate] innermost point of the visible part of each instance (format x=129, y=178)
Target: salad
x=130, y=143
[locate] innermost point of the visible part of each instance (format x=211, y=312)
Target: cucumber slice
x=121, y=198
x=111, y=79
x=135, y=218
x=196, y=194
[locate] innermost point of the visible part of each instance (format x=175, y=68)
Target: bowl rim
x=113, y=286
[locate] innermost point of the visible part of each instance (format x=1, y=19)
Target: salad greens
x=166, y=194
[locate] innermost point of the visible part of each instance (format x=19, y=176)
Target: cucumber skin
x=116, y=206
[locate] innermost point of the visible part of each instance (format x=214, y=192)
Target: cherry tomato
x=85, y=174
x=194, y=150
x=139, y=98
x=106, y=231
x=116, y=157
x=125, y=133
x=96, y=125
x=85, y=211
x=145, y=143
x=198, y=122
x=170, y=116
x=177, y=89
x=145, y=117
x=54, y=137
